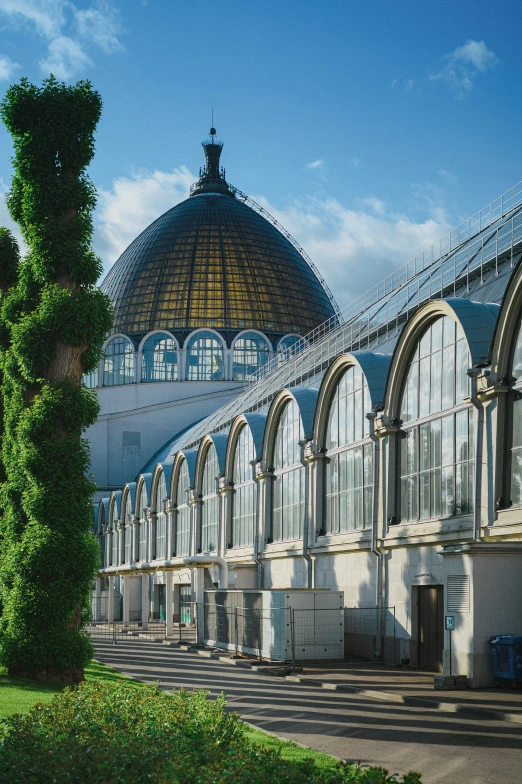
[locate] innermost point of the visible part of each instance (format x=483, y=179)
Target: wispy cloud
x=404, y=84
x=65, y=58
x=8, y=68
x=132, y=203
x=318, y=164
x=461, y=67
x=68, y=31
x=353, y=248
x=356, y=162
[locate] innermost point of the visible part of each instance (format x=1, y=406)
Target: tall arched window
x=159, y=360
x=142, y=525
x=349, y=472
x=160, y=549
x=99, y=530
x=437, y=450
x=118, y=362
x=210, y=506
x=182, y=512
x=245, y=488
x=516, y=429
x=288, y=487
x=251, y=351
x=127, y=530
x=205, y=358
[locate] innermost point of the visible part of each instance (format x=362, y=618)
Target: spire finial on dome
x=211, y=177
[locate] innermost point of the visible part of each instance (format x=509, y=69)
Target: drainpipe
x=375, y=549
x=474, y=373
x=306, y=554
x=256, y=532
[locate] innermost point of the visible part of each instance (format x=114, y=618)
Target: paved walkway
x=445, y=748
x=414, y=685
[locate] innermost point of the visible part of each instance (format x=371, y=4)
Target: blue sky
x=368, y=130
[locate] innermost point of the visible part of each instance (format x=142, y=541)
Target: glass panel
x=436, y=382
x=424, y=393
x=205, y=358
x=516, y=369
x=210, y=505
x=251, y=352
x=118, y=363
x=244, y=497
x=448, y=376
x=159, y=359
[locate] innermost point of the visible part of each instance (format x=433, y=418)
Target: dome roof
x=213, y=261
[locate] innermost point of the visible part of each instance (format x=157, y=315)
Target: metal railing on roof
x=377, y=323
x=483, y=219
x=270, y=218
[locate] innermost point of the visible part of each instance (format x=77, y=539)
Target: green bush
x=117, y=733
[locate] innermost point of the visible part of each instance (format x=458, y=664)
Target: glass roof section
x=478, y=268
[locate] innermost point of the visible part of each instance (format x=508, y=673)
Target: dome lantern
x=211, y=177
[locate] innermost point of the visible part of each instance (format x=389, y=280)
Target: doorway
x=430, y=606
x=159, y=603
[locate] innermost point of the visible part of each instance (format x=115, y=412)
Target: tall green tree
x=52, y=321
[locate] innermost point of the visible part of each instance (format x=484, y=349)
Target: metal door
x=431, y=627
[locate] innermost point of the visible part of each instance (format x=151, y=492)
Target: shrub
x=112, y=733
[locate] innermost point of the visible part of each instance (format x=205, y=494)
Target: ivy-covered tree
x=52, y=322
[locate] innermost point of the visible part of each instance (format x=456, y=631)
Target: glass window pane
x=205, y=358
x=424, y=394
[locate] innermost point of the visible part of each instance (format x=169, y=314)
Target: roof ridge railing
x=481, y=220
x=261, y=210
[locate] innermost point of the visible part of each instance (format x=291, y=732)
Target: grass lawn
x=18, y=695
x=290, y=750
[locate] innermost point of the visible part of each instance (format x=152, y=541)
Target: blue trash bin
x=506, y=652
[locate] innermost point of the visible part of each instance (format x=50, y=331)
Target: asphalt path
x=444, y=748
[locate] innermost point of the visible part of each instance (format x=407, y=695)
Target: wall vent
x=458, y=593
x=130, y=438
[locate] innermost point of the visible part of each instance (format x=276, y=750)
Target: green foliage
x=100, y=733
x=52, y=320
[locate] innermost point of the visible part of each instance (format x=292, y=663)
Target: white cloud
x=315, y=164
x=67, y=31
x=100, y=25
x=461, y=67
x=47, y=16
x=405, y=84
x=7, y=68
x=353, y=248
x=132, y=203
x=65, y=58
x=356, y=162
x=356, y=248
x=448, y=175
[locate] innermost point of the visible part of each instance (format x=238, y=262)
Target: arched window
x=159, y=359
x=118, y=363
x=210, y=505
x=251, y=351
x=143, y=525
x=205, y=358
x=182, y=512
x=99, y=531
x=516, y=430
x=349, y=472
x=244, y=499
x=288, y=487
x=437, y=452
x=161, y=519
x=127, y=530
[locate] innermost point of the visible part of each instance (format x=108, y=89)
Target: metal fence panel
x=315, y=634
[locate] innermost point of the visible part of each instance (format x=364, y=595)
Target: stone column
x=110, y=609
x=151, y=534
x=195, y=503
x=169, y=602
x=199, y=595
x=126, y=597
x=145, y=601
x=97, y=599
x=264, y=479
x=226, y=491
x=121, y=542
x=315, y=460
x=170, y=541
x=134, y=533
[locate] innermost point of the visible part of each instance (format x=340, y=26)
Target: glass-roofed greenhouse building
x=375, y=452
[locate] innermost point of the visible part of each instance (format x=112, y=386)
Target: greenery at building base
x=101, y=732
x=52, y=321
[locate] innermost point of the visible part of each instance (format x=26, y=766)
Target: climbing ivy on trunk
x=53, y=319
